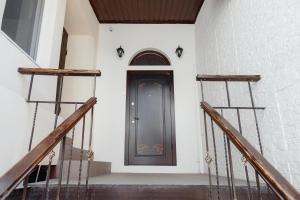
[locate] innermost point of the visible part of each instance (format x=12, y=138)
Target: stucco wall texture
x=257, y=37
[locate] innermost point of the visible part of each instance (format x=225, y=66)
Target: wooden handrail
x=60, y=72
x=23, y=168
x=247, y=78
x=275, y=180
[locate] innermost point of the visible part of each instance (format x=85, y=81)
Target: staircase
x=78, y=176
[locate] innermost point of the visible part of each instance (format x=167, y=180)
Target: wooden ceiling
x=147, y=11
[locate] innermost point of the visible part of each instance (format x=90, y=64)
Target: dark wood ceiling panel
x=147, y=11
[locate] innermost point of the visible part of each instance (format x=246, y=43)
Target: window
x=150, y=57
x=21, y=22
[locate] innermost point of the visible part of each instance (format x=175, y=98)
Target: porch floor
x=151, y=179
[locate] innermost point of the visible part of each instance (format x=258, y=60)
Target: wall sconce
x=120, y=52
x=179, y=51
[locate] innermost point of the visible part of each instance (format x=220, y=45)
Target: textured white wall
x=258, y=37
x=109, y=134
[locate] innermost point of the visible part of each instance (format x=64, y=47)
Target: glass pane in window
x=21, y=22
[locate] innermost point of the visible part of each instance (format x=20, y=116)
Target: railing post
x=33, y=126
x=62, y=157
x=255, y=117
x=244, y=160
x=81, y=157
x=29, y=149
x=95, y=85
x=90, y=152
x=207, y=157
x=70, y=160
x=216, y=158
x=51, y=156
x=227, y=93
x=231, y=169
x=226, y=161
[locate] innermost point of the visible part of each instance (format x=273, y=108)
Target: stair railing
x=30, y=166
x=18, y=173
x=269, y=183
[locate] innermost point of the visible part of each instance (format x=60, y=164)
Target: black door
x=150, y=132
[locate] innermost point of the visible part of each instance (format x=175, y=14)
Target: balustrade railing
x=228, y=152
x=31, y=169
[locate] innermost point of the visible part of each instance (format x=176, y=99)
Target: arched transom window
x=150, y=57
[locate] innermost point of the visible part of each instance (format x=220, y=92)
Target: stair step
x=138, y=192
x=97, y=168
x=76, y=153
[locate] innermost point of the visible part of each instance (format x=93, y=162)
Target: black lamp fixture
x=179, y=51
x=120, y=52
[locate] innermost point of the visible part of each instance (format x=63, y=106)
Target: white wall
x=82, y=27
x=258, y=37
x=17, y=115
x=109, y=134
x=51, y=33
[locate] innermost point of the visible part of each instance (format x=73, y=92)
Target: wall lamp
x=179, y=51
x=120, y=52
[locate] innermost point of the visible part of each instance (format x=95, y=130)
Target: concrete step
x=76, y=153
x=97, y=168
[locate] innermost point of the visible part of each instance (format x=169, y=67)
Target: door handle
x=136, y=118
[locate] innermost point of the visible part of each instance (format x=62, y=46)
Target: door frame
x=127, y=117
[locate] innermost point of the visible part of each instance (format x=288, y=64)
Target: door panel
x=150, y=134
x=150, y=126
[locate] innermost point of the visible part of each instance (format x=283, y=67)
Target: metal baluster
x=55, y=125
x=81, y=157
x=243, y=158
x=90, y=153
x=70, y=160
x=258, y=185
x=51, y=156
x=255, y=117
x=95, y=85
x=207, y=157
x=228, y=95
x=33, y=126
x=226, y=160
x=258, y=136
x=29, y=149
x=62, y=157
x=231, y=169
x=216, y=158
x=38, y=173
x=57, y=106
x=229, y=148
x=30, y=87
